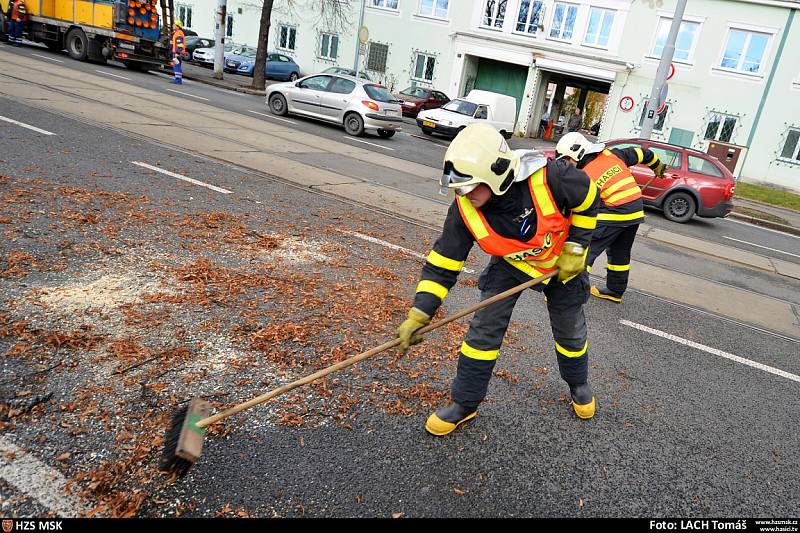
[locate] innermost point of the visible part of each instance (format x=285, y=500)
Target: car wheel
x=386, y=134
x=77, y=44
x=277, y=104
x=426, y=131
x=354, y=124
x=293, y=76
x=679, y=207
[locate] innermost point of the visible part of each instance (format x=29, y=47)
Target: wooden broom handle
x=366, y=355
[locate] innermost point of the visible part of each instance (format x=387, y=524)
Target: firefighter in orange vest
x=178, y=48
x=15, y=26
x=621, y=208
x=531, y=216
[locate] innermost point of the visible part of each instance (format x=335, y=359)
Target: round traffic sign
x=363, y=35
x=626, y=103
x=671, y=71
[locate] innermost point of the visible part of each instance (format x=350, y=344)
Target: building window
x=660, y=118
x=564, y=16
x=424, y=65
x=684, y=43
x=287, y=37
x=376, y=57
x=745, y=50
x=791, y=148
x=529, y=17
x=329, y=46
x=494, y=13
x=386, y=4
x=185, y=15
x=434, y=8
x=720, y=127
x=598, y=30
x=229, y=26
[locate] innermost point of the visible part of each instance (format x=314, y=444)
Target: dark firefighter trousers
x=616, y=241
x=489, y=325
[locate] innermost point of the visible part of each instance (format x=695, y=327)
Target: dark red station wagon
x=416, y=99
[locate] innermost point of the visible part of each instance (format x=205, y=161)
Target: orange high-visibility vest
x=539, y=255
x=178, y=42
x=19, y=10
x=614, y=179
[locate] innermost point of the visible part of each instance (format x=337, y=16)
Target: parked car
x=359, y=105
x=279, y=66
x=246, y=60
x=193, y=43
x=416, y=99
x=346, y=72
x=205, y=56
x=695, y=183
x=498, y=110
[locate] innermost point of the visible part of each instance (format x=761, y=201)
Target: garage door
x=503, y=78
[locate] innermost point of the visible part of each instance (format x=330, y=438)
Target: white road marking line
x=272, y=117
x=182, y=177
x=18, y=123
x=742, y=222
x=187, y=94
x=366, y=142
x=110, y=74
x=395, y=247
x=765, y=247
x=48, y=58
x=714, y=351
x=37, y=480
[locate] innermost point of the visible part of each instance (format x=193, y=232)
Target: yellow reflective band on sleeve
x=567, y=353
x=473, y=218
x=621, y=195
x=619, y=268
x=481, y=355
x=580, y=221
x=432, y=287
x=589, y=269
x=540, y=192
x=438, y=260
x=652, y=161
x=630, y=180
x=589, y=200
x=620, y=218
x=639, y=153
x=526, y=267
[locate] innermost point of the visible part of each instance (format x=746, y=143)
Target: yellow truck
x=136, y=32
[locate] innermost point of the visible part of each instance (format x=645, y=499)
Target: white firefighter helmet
x=479, y=154
x=575, y=146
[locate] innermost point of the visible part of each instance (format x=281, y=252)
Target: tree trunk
x=263, y=44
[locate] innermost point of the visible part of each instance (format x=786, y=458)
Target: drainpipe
x=767, y=87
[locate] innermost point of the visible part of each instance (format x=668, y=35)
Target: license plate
x=126, y=46
x=428, y=124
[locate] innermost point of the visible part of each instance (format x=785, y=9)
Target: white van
x=498, y=110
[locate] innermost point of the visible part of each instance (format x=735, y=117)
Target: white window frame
x=427, y=56
x=540, y=22
x=667, y=19
x=750, y=29
x=186, y=8
x=560, y=36
x=320, y=54
x=384, y=5
x=493, y=24
x=433, y=14
x=288, y=29
x=606, y=11
x=717, y=134
x=794, y=159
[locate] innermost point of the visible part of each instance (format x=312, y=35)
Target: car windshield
x=414, y=91
x=461, y=106
x=376, y=92
x=248, y=54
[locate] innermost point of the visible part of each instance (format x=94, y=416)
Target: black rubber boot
x=606, y=294
x=583, y=401
x=446, y=419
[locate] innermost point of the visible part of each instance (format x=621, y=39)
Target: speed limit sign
x=626, y=103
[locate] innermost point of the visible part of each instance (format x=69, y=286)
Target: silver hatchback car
x=357, y=104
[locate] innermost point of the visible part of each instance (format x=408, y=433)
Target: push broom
x=183, y=442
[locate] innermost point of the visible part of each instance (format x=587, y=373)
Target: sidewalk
x=766, y=215
x=232, y=82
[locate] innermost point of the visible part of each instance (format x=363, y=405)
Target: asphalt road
x=697, y=414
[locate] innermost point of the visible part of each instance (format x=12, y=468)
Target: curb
x=765, y=223
x=223, y=85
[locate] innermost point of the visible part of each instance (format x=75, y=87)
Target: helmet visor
x=451, y=178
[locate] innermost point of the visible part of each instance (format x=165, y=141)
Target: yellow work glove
x=571, y=262
x=660, y=169
x=416, y=320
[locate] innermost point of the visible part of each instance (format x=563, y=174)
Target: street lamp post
x=219, y=35
x=653, y=103
x=356, y=62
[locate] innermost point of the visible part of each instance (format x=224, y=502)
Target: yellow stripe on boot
x=605, y=296
x=585, y=411
x=445, y=420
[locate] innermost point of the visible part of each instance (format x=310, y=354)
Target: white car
x=498, y=110
x=205, y=56
x=357, y=104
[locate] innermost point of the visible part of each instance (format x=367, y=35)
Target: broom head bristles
x=183, y=441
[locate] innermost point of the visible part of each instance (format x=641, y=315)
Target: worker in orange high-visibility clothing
x=532, y=216
x=18, y=13
x=178, y=48
x=621, y=207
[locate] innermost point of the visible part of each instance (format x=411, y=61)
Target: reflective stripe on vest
x=617, y=184
x=535, y=257
x=178, y=42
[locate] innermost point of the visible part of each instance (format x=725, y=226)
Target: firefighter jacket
x=527, y=226
x=18, y=11
x=178, y=43
x=620, y=196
